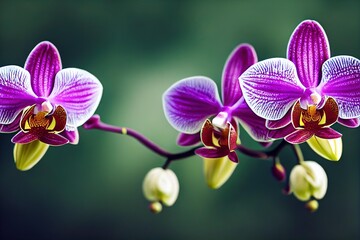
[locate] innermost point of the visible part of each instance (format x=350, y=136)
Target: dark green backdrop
x=138, y=49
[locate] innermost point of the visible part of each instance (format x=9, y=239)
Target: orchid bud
x=218, y=171
x=330, y=149
x=312, y=205
x=161, y=185
x=27, y=155
x=308, y=179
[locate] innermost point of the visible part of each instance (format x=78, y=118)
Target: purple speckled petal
x=72, y=136
x=241, y=58
x=12, y=127
x=23, y=138
x=276, y=124
x=328, y=133
x=79, y=92
x=341, y=80
x=271, y=87
x=211, y=152
x=43, y=63
x=15, y=92
x=299, y=136
x=189, y=102
x=185, y=139
x=351, y=123
x=308, y=49
x=253, y=124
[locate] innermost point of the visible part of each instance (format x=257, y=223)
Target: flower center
x=42, y=122
x=312, y=118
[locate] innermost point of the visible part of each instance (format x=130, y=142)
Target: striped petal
x=308, y=49
x=239, y=60
x=79, y=92
x=271, y=87
x=341, y=80
x=15, y=92
x=189, y=102
x=43, y=63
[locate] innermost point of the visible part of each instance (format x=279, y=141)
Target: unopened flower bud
x=308, y=179
x=312, y=205
x=155, y=207
x=27, y=155
x=330, y=149
x=278, y=171
x=218, y=170
x=161, y=185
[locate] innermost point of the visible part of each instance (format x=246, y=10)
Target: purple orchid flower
x=44, y=101
x=191, y=101
x=309, y=89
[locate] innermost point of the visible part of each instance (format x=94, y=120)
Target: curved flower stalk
x=309, y=89
x=45, y=102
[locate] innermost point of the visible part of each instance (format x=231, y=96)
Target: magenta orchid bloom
x=44, y=101
x=309, y=89
x=191, y=101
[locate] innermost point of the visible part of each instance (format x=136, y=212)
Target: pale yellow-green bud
x=308, y=179
x=330, y=149
x=27, y=155
x=161, y=185
x=312, y=205
x=155, y=207
x=218, y=171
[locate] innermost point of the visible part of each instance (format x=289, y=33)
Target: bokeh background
x=138, y=49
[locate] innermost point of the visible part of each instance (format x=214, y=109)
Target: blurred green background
x=138, y=49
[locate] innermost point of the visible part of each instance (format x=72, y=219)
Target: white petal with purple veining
x=271, y=87
x=15, y=92
x=189, y=102
x=341, y=80
x=79, y=92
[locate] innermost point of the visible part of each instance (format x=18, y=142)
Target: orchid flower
x=45, y=102
x=191, y=101
x=309, y=89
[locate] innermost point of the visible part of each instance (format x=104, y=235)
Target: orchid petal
x=24, y=138
x=253, y=124
x=211, y=152
x=328, y=133
x=341, y=80
x=189, y=102
x=15, y=92
x=188, y=139
x=351, y=123
x=271, y=87
x=43, y=63
x=207, y=134
x=72, y=136
x=79, y=92
x=12, y=127
x=281, y=132
x=276, y=124
x=233, y=157
x=308, y=49
x=53, y=139
x=241, y=58
x=299, y=136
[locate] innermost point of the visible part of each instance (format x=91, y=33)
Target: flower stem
x=95, y=123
